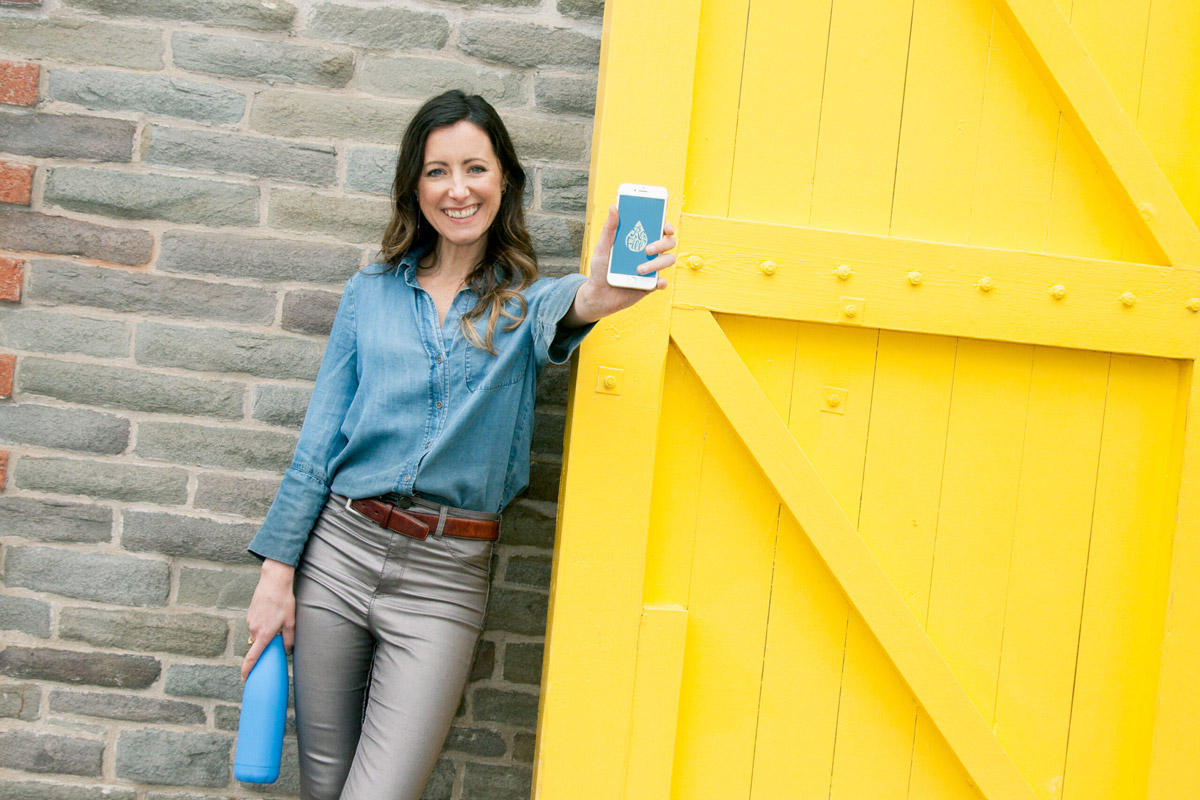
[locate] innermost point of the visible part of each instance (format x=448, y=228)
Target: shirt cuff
x=293, y=513
x=555, y=342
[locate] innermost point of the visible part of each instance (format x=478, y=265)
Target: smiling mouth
x=460, y=213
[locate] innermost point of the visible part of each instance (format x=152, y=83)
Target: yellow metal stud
x=1128, y=299
x=914, y=278
x=833, y=399
x=986, y=284
x=1058, y=291
x=608, y=380
x=695, y=262
x=843, y=272
x=1194, y=304
x=767, y=267
x=850, y=310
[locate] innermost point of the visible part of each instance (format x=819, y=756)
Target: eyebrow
x=465, y=161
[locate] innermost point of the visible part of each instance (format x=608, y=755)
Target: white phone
x=641, y=213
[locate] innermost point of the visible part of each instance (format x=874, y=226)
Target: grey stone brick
x=527, y=44
x=441, y=782
x=21, y=701
x=228, y=153
x=205, y=680
x=528, y=571
x=69, y=666
x=524, y=745
x=419, y=78
x=63, y=428
x=581, y=8
x=523, y=662
x=386, y=27
x=102, y=479
x=189, y=537
x=145, y=196
x=549, y=140
x=214, y=350
x=25, y=614
x=329, y=116
x=47, y=752
x=203, y=445
x=28, y=230
x=216, y=588
x=124, y=387
x=279, y=404
x=570, y=94
x=371, y=169
x=56, y=282
x=235, y=494
x=253, y=14
x=306, y=311
x=262, y=60
x=549, y=424
x=26, y=133
x=54, y=520
x=263, y=258
x=189, y=634
x=82, y=41
x=44, y=790
x=101, y=90
x=564, y=190
x=288, y=782
x=512, y=708
x=169, y=757
x=553, y=385
x=497, y=781
x=50, y=332
x=104, y=577
x=475, y=741
x=517, y=611
x=484, y=664
x=184, y=795
x=551, y=236
x=131, y=707
x=351, y=219
x=543, y=480
x=528, y=522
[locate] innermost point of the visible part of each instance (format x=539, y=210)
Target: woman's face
x=461, y=183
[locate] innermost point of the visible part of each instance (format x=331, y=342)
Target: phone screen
x=640, y=223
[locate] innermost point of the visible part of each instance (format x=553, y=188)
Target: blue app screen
x=640, y=223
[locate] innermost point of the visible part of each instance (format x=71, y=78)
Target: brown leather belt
x=419, y=525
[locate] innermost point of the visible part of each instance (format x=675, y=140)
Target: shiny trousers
x=386, y=627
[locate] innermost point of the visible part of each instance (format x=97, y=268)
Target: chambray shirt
x=403, y=405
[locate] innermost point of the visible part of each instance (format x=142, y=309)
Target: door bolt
x=1128, y=299
x=1058, y=291
x=767, y=267
x=695, y=262
x=914, y=278
x=986, y=284
x=1194, y=304
x=843, y=272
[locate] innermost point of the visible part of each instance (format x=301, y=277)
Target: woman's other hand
x=596, y=298
x=272, y=609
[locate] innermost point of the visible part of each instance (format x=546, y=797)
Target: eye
x=436, y=172
x=477, y=169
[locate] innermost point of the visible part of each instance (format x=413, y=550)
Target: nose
x=459, y=191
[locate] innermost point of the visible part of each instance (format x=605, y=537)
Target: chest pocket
x=484, y=371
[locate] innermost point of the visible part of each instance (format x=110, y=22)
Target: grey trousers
x=386, y=627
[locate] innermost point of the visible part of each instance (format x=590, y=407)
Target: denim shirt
x=403, y=405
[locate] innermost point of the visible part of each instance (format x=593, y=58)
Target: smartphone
x=641, y=214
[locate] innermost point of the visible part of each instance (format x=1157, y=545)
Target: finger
x=661, y=245
x=662, y=283
x=289, y=634
x=662, y=262
x=668, y=229
x=608, y=235
x=260, y=644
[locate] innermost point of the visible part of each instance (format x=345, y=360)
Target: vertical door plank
x=718, y=81
x=806, y=635
x=1088, y=217
x=738, y=516
x=860, y=115
x=1017, y=139
x=1125, y=598
x=1049, y=561
x=976, y=518
x=780, y=111
x=939, y=133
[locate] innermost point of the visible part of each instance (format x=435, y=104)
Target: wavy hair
x=508, y=264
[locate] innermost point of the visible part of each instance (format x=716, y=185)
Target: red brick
x=12, y=271
x=16, y=183
x=3, y=468
x=18, y=83
x=7, y=365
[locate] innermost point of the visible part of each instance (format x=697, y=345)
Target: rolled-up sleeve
x=305, y=486
x=549, y=301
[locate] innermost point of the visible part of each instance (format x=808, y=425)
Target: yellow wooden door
x=893, y=494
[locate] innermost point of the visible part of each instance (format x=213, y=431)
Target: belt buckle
x=358, y=513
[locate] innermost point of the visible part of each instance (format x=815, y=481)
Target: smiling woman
x=378, y=544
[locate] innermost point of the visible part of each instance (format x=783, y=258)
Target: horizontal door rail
x=866, y=585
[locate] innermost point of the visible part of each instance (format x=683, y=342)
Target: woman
x=416, y=436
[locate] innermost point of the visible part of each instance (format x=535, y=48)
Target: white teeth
x=463, y=214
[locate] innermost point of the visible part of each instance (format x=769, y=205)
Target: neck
x=450, y=260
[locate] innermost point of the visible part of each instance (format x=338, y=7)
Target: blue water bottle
x=264, y=712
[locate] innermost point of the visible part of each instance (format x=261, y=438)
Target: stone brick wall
x=184, y=187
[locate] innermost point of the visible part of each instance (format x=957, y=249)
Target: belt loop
x=441, y=521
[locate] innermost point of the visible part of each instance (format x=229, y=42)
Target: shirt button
x=408, y=477
x=438, y=404
x=439, y=359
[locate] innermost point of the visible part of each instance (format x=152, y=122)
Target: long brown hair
x=508, y=264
